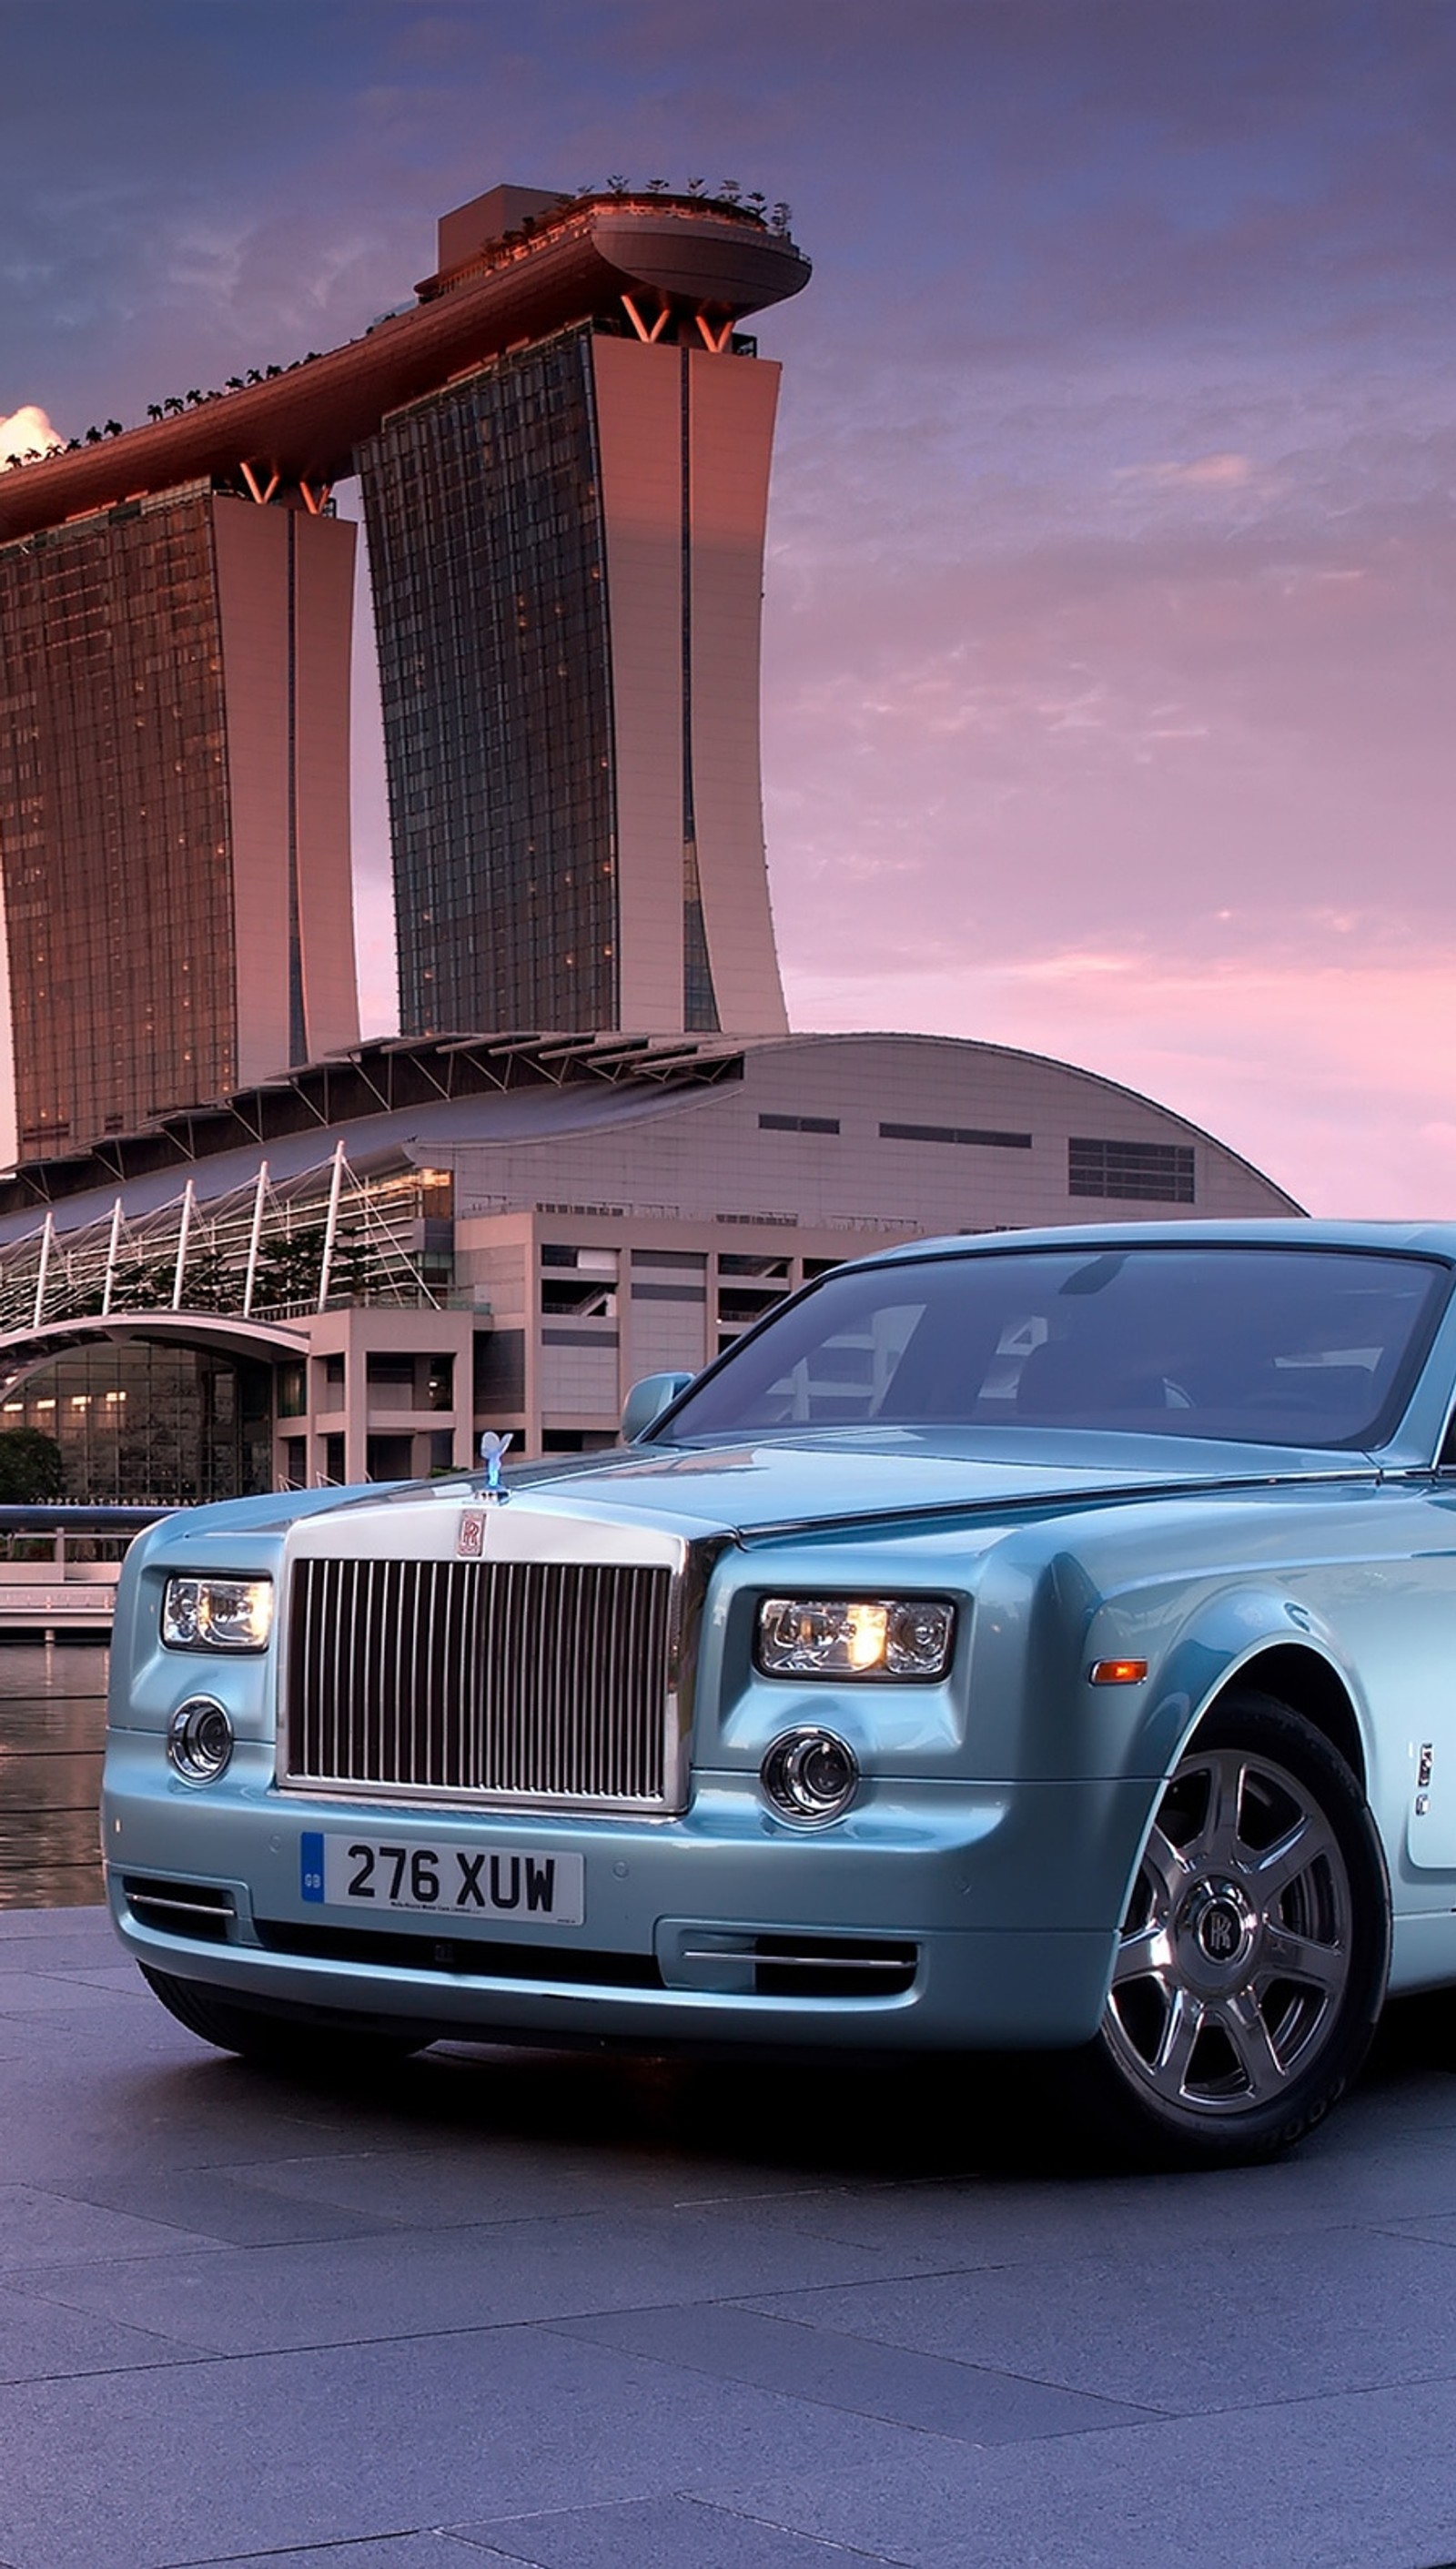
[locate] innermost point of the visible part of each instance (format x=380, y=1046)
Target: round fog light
x=199, y=1740
x=811, y=1775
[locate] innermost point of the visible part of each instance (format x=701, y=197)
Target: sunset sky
x=1109, y=682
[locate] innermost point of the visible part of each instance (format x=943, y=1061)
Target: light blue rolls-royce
x=1041, y=1641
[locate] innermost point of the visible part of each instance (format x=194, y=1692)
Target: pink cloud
x=27, y=431
x=1203, y=472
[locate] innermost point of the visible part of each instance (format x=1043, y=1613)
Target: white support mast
x=330, y=1229
x=47, y=1242
x=111, y=1258
x=255, y=1239
x=184, y=1232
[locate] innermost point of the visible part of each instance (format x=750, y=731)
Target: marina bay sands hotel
x=564, y=449
x=241, y=1248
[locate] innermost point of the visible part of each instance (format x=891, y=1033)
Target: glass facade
x=1141, y=1172
x=114, y=820
x=144, y=1421
x=487, y=558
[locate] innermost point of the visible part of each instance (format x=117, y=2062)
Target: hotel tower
x=173, y=806
x=565, y=445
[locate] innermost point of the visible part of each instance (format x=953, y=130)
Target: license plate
x=440, y=1881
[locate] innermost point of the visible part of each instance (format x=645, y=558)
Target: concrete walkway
x=595, y=2316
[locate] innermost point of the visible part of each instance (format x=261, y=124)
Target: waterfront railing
x=65, y=1575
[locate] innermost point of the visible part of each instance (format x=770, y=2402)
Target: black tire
x=1253, y=1961
x=276, y=2041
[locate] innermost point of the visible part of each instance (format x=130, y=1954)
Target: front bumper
x=940, y=1916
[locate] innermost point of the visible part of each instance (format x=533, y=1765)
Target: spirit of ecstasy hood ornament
x=492, y=1453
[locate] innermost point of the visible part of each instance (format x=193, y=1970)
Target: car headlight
x=854, y=1636
x=218, y=1614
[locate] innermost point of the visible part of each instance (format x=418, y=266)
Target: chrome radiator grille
x=514, y=1680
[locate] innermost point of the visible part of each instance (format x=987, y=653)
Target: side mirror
x=647, y=1400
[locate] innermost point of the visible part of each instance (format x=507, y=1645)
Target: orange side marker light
x=1118, y=1672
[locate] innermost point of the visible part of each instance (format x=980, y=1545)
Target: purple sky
x=1109, y=688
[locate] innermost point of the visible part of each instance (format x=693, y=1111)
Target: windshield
x=1272, y=1346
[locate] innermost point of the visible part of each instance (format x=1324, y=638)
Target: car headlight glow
x=854, y=1636
x=218, y=1614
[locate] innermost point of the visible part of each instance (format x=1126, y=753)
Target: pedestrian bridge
x=55, y=1588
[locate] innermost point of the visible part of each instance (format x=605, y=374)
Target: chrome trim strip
x=182, y=1908
x=807, y=1962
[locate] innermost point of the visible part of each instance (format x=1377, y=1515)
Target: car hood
x=777, y=1483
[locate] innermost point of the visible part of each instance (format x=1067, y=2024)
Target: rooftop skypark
x=655, y=264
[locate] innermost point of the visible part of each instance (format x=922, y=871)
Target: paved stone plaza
x=591, y=2314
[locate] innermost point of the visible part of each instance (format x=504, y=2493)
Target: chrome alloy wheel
x=1236, y=1950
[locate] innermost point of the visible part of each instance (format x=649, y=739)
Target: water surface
x=52, y=1720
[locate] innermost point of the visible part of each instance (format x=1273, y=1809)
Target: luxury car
x=1037, y=1641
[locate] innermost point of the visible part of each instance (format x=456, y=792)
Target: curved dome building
x=347, y=1274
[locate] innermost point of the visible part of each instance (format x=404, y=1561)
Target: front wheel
x=275, y=2041
x=1252, y=1962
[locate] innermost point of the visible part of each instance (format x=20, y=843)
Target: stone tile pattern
x=506, y=2308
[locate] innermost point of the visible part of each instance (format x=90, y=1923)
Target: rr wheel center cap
x=1217, y=1930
